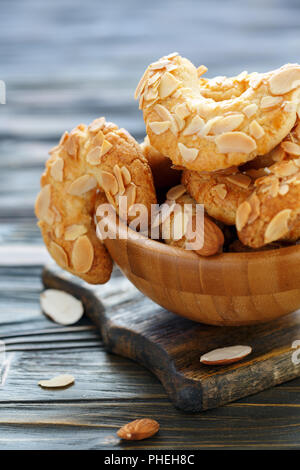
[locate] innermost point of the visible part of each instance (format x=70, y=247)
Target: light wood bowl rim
x=157, y=246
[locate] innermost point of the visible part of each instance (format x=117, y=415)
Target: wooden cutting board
x=170, y=346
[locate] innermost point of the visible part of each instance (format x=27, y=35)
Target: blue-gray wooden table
x=66, y=62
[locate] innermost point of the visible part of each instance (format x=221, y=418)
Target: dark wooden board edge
x=127, y=343
x=186, y=394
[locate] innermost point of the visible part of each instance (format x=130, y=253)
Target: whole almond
x=138, y=429
x=213, y=237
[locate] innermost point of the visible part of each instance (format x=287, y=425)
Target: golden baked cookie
x=272, y=212
x=204, y=134
x=221, y=192
x=86, y=160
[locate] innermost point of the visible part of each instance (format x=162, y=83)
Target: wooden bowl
x=227, y=289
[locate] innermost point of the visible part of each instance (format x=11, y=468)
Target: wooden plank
x=171, y=346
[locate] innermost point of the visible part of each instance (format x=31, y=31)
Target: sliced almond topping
x=188, y=154
x=49, y=217
x=59, y=230
x=126, y=175
x=58, y=216
x=196, y=125
x=168, y=85
x=291, y=147
x=256, y=81
x=285, y=169
x=141, y=102
x=284, y=189
x=243, y=181
x=97, y=124
x=82, y=185
x=61, y=307
x=255, y=208
x=242, y=215
x=130, y=193
x=223, y=356
x=290, y=106
x=201, y=70
x=256, y=130
x=171, y=67
x=203, y=108
x=111, y=199
x=296, y=162
x=250, y=110
x=182, y=110
x=160, y=127
x=94, y=156
x=278, y=154
x=153, y=79
x=42, y=202
x=297, y=130
x=63, y=138
x=160, y=64
x=106, y=146
x=179, y=224
x=71, y=145
x=59, y=254
x=273, y=191
x=269, y=102
x=227, y=124
x=63, y=380
x=285, y=80
x=180, y=122
x=108, y=182
x=207, y=127
x=56, y=169
x=165, y=115
x=74, y=231
x=175, y=192
x=221, y=190
x=278, y=227
x=118, y=175
x=151, y=94
x=171, y=55
x=141, y=85
x=82, y=254
x=54, y=149
x=238, y=142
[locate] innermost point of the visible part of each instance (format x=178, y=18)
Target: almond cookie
x=221, y=192
x=272, y=212
x=202, y=134
x=100, y=157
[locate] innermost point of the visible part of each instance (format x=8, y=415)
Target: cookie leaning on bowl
x=99, y=157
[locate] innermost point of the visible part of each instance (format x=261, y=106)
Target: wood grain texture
x=230, y=289
x=171, y=347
